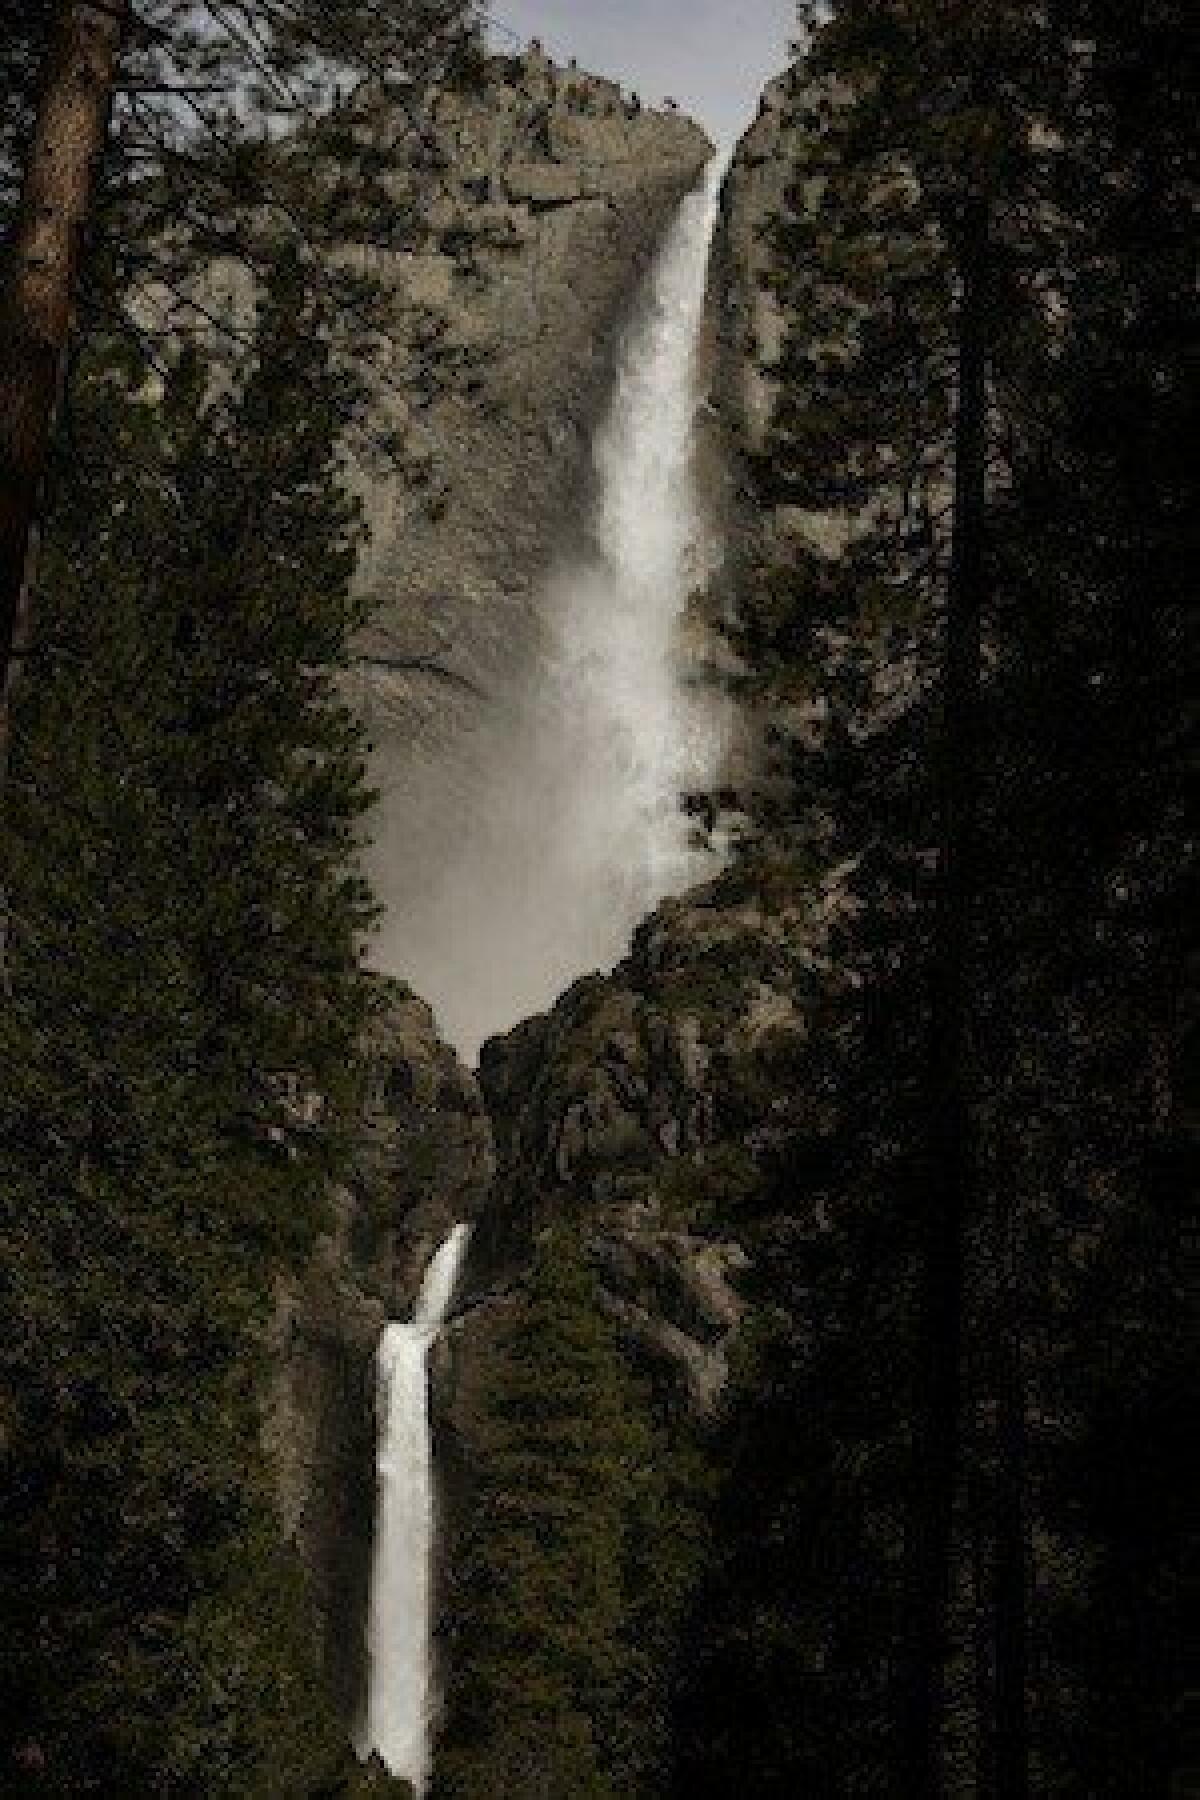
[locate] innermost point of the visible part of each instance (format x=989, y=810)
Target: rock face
x=426, y=1161
x=554, y=191
x=644, y=1105
x=320, y=1438
x=749, y=321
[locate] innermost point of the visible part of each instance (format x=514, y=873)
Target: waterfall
x=580, y=832
x=399, y=1694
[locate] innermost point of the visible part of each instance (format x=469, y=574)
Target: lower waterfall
x=399, y=1629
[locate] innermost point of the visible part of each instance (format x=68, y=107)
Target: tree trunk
x=1012, y=1757
x=939, y=1373
x=36, y=301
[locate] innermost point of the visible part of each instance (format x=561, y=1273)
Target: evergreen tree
x=184, y=1000
x=911, y=224
x=547, y=1684
x=973, y=268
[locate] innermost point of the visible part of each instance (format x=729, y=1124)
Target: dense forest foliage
x=182, y=969
x=576, y=1560
x=960, y=1563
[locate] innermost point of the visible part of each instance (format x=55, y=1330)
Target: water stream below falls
x=399, y=1626
x=579, y=830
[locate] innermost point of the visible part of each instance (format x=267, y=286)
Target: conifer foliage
x=181, y=910
x=183, y=999
x=980, y=404
x=568, y=1588
x=138, y=141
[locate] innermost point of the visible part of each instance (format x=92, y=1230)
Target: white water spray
x=399, y=1694
x=580, y=831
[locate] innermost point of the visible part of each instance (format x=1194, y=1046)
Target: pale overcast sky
x=713, y=56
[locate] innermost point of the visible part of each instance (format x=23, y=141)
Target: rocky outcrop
x=425, y=1161
x=646, y=1105
x=749, y=321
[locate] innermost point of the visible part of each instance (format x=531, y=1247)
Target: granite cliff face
x=647, y=1104
x=749, y=321
x=552, y=191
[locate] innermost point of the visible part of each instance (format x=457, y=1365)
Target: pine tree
x=185, y=998
x=544, y=1653
x=974, y=268
x=911, y=222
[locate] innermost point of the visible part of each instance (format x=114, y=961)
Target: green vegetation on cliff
x=567, y=1587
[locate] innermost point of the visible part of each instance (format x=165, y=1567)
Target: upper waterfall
x=581, y=830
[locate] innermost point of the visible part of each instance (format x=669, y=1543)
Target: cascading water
x=399, y=1694
x=580, y=831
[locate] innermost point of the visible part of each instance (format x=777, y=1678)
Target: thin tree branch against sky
x=713, y=56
